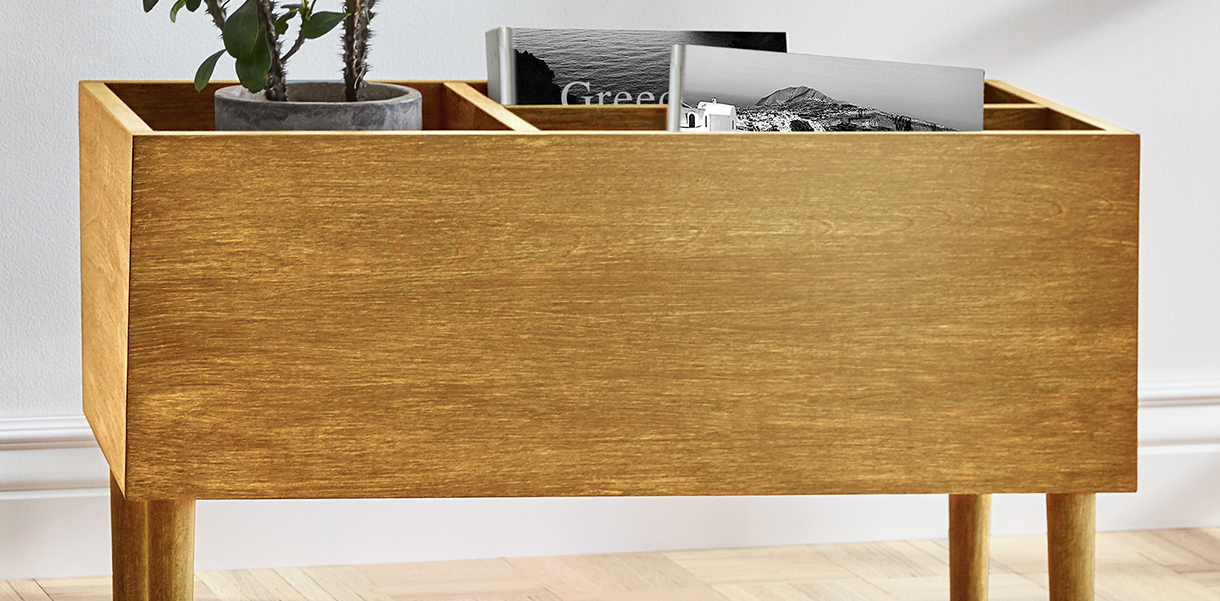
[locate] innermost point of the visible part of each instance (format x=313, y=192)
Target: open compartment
x=1006, y=108
x=464, y=106
x=447, y=105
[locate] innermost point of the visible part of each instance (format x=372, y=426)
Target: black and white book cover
x=726, y=89
x=597, y=66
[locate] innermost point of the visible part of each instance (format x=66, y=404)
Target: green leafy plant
x=253, y=35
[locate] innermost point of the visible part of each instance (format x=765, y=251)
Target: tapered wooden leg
x=153, y=545
x=1071, y=545
x=969, y=540
x=171, y=550
x=128, y=546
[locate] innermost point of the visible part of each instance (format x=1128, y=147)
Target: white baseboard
x=54, y=509
x=1179, y=390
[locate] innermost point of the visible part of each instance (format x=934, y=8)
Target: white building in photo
x=709, y=116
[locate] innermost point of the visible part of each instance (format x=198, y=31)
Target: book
x=597, y=66
x=727, y=89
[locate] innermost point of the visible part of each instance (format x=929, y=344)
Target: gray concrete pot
x=320, y=106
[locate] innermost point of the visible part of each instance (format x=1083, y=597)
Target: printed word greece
x=617, y=98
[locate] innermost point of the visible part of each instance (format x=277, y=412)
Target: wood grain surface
x=1061, y=117
x=467, y=109
x=176, y=106
x=1071, y=546
x=519, y=314
x=128, y=545
x=590, y=118
x=153, y=547
x=171, y=549
x=1011, y=117
x=969, y=543
x=107, y=127
x=1008, y=108
x=1029, y=117
x=959, y=320
x=999, y=92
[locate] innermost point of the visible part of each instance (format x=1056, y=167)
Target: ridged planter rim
x=395, y=93
x=321, y=105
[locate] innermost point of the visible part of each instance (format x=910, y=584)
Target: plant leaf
x=173, y=12
x=192, y=5
x=281, y=24
x=320, y=24
x=204, y=74
x=242, y=31
x=252, y=69
x=149, y=4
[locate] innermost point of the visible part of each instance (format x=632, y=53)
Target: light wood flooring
x=1136, y=566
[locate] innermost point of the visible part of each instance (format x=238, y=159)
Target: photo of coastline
x=797, y=108
x=761, y=91
x=607, y=66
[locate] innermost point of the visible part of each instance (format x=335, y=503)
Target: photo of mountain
x=726, y=89
x=800, y=108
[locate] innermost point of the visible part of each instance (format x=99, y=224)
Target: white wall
x=1147, y=65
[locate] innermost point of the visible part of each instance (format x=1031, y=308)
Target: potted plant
x=254, y=34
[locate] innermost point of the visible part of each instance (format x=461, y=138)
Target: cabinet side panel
x=105, y=222
x=633, y=314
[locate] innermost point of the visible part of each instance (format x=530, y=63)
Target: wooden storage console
x=498, y=307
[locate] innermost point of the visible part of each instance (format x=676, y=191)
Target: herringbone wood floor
x=1135, y=566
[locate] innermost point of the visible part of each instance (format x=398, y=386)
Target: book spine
x=501, y=66
x=673, y=115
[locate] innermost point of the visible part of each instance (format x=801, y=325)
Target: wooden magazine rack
x=499, y=307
